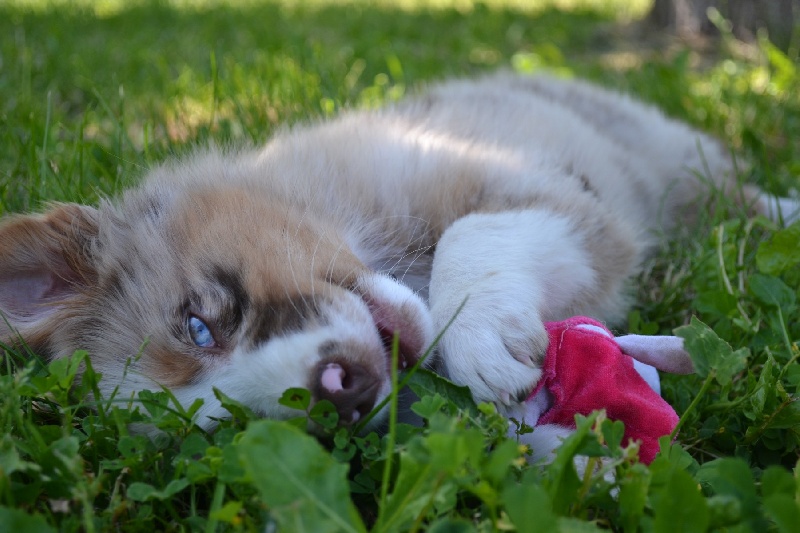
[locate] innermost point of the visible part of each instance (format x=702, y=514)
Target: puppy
x=526, y=199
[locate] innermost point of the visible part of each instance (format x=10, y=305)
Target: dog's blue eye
x=200, y=333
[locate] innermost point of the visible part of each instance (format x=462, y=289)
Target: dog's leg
x=515, y=269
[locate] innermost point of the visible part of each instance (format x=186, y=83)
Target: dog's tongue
x=332, y=377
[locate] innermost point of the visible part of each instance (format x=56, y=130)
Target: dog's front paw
x=497, y=355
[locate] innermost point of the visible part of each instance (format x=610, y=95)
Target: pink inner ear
x=25, y=295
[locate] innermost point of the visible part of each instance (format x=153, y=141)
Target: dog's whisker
x=397, y=260
x=295, y=282
x=313, y=270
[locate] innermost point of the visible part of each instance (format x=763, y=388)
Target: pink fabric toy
x=586, y=368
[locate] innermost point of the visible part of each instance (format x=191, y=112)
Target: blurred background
x=93, y=92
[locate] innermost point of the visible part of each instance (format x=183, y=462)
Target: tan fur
x=536, y=197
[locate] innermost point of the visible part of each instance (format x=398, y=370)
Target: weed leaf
x=613, y=431
x=427, y=470
x=781, y=252
x=427, y=406
x=296, y=398
x=680, y=506
x=780, y=490
x=142, y=492
x=771, y=291
x=633, y=496
x=788, y=415
x=732, y=477
x=776, y=480
x=784, y=511
x=304, y=487
x=11, y=462
x=450, y=525
x=709, y=353
x=415, y=486
x=235, y=408
x=562, y=480
x=529, y=507
x=18, y=520
x=426, y=383
x=324, y=413
x=228, y=512
x=574, y=525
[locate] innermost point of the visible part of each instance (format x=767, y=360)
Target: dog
x=476, y=210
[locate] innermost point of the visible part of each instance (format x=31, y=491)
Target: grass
x=93, y=93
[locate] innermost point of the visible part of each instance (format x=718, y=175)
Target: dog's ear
x=45, y=263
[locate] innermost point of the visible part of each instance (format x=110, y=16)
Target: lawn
x=94, y=93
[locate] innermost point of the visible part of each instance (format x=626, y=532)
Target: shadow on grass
x=85, y=99
x=157, y=53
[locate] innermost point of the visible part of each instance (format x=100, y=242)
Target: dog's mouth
x=355, y=374
x=407, y=356
x=394, y=327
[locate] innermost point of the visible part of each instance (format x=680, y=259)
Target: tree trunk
x=690, y=17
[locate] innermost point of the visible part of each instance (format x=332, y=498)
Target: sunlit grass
x=621, y=9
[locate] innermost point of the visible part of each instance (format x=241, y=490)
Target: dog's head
x=199, y=285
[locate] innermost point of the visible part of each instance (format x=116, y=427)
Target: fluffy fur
x=532, y=198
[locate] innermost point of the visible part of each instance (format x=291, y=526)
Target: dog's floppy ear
x=45, y=261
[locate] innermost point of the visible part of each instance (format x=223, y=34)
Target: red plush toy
x=586, y=368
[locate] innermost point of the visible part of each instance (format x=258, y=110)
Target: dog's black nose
x=349, y=386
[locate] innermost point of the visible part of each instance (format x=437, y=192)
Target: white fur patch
x=512, y=267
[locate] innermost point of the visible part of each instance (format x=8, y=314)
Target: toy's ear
x=664, y=352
